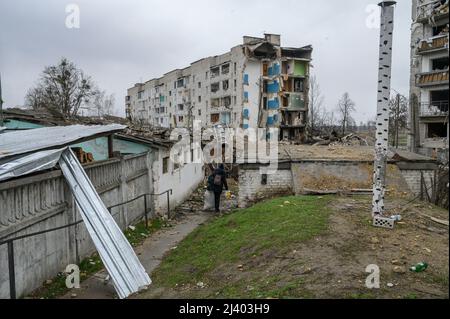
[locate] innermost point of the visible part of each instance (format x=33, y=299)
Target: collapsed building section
x=429, y=78
x=256, y=84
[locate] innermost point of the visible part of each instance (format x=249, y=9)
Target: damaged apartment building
x=256, y=84
x=429, y=78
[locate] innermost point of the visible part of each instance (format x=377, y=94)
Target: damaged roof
x=27, y=141
x=53, y=118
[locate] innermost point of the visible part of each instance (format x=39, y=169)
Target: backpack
x=218, y=180
x=210, y=186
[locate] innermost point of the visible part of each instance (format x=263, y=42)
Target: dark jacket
x=218, y=188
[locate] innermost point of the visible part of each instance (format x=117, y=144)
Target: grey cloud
x=122, y=42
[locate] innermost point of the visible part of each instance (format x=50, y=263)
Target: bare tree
x=398, y=117
x=345, y=107
x=35, y=98
x=103, y=104
x=315, y=105
x=62, y=87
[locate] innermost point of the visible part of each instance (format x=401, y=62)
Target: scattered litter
x=174, y=247
x=420, y=267
x=396, y=217
x=73, y=295
x=390, y=284
x=132, y=227
x=428, y=250
x=200, y=284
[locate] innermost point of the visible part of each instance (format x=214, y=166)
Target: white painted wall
x=183, y=181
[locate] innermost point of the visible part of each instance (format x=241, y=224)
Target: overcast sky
x=120, y=43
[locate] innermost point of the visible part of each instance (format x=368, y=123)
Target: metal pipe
x=12, y=272
x=384, y=89
x=1, y=103
x=145, y=211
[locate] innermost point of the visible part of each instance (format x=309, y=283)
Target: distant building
x=429, y=91
x=255, y=84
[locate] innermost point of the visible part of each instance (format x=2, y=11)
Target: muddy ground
x=332, y=265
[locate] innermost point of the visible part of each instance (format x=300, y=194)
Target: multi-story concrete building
x=255, y=84
x=429, y=91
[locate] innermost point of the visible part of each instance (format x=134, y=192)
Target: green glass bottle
x=419, y=267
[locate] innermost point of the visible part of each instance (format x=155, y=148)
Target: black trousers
x=217, y=200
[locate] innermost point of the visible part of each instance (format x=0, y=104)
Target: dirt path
x=150, y=254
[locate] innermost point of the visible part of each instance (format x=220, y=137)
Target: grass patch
x=270, y=227
x=57, y=286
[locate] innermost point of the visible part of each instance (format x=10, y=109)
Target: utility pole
x=384, y=89
x=397, y=115
x=1, y=103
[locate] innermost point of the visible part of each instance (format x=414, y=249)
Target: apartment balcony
x=293, y=102
x=434, y=109
x=434, y=44
x=432, y=11
x=432, y=78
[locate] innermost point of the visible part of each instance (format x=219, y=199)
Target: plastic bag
x=208, y=200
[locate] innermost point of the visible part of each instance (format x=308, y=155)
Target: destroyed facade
x=429, y=90
x=255, y=84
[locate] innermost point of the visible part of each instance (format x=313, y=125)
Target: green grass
x=270, y=227
x=93, y=264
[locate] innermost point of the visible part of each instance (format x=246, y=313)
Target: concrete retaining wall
x=299, y=177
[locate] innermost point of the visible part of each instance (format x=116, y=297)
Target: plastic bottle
x=419, y=267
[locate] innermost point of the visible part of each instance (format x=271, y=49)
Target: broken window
x=215, y=72
x=214, y=117
x=225, y=118
x=180, y=107
x=215, y=102
x=180, y=118
x=235, y=84
x=436, y=130
x=140, y=93
x=298, y=85
x=225, y=85
x=265, y=69
x=235, y=67
x=199, y=99
x=206, y=75
x=180, y=83
x=199, y=85
x=439, y=99
x=165, y=165
x=440, y=64
x=226, y=68
x=226, y=101
x=263, y=179
x=215, y=87
x=199, y=112
x=234, y=100
x=441, y=29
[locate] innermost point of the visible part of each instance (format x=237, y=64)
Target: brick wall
x=251, y=187
x=412, y=178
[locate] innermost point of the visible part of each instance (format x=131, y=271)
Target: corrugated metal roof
x=120, y=260
x=21, y=142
